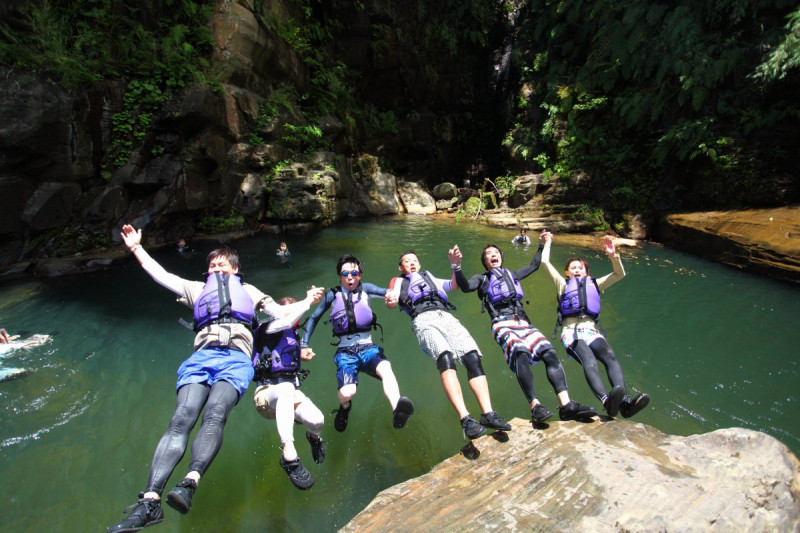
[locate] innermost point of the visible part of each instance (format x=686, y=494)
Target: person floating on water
x=283, y=254
x=444, y=339
x=501, y=295
x=522, y=238
x=277, y=362
x=353, y=320
x=9, y=344
x=581, y=333
x=212, y=380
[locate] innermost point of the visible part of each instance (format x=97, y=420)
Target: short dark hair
x=227, y=252
x=348, y=258
x=483, y=254
x=400, y=259
x=287, y=300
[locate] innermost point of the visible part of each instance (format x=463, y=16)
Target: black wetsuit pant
x=218, y=400
x=587, y=356
x=521, y=366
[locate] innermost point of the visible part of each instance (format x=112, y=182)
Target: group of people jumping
x=232, y=348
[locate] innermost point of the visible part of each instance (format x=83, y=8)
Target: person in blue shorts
x=211, y=381
x=353, y=321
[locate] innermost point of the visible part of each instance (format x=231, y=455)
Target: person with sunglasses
x=353, y=321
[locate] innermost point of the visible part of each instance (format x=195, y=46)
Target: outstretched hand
x=131, y=236
x=314, y=294
x=608, y=245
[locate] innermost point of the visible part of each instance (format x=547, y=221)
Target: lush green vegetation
x=662, y=104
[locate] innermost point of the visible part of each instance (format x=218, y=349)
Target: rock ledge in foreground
x=599, y=477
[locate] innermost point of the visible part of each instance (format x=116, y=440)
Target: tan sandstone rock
x=598, y=477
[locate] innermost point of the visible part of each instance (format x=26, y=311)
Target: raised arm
x=294, y=311
x=616, y=263
x=555, y=276
x=312, y=321
x=133, y=240
x=536, y=260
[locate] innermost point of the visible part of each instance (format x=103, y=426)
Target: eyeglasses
x=353, y=273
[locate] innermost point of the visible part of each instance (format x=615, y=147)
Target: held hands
x=307, y=354
x=131, y=236
x=454, y=254
x=608, y=245
x=545, y=237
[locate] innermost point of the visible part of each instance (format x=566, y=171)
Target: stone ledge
x=604, y=476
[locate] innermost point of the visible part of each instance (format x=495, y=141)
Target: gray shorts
x=438, y=331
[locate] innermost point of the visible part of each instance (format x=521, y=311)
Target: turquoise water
x=712, y=346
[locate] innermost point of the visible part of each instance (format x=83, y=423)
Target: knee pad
x=550, y=357
x=472, y=361
x=445, y=361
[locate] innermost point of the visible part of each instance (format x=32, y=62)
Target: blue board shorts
x=210, y=365
x=354, y=359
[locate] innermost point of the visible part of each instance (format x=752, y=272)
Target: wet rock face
x=603, y=476
x=762, y=241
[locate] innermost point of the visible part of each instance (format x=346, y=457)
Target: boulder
x=445, y=191
x=416, y=200
x=605, y=476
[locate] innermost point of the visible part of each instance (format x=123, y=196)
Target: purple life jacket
x=502, y=295
x=223, y=300
x=350, y=313
x=276, y=353
x=581, y=298
x=419, y=293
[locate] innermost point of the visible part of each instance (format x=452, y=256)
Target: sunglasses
x=353, y=273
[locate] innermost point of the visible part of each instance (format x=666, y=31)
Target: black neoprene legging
x=218, y=400
x=587, y=356
x=522, y=369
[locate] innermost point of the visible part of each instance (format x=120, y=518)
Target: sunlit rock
x=613, y=476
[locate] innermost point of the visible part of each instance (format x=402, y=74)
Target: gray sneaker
x=144, y=513
x=492, y=420
x=298, y=474
x=575, y=411
x=540, y=414
x=472, y=429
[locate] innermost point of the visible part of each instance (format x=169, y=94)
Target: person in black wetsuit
x=523, y=345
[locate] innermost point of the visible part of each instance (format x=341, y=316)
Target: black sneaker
x=342, y=414
x=146, y=512
x=575, y=411
x=298, y=474
x=317, y=447
x=180, y=497
x=472, y=429
x=613, y=400
x=492, y=420
x=540, y=413
x=630, y=405
x=403, y=410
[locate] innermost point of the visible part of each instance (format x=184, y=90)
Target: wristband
x=454, y=266
x=133, y=250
